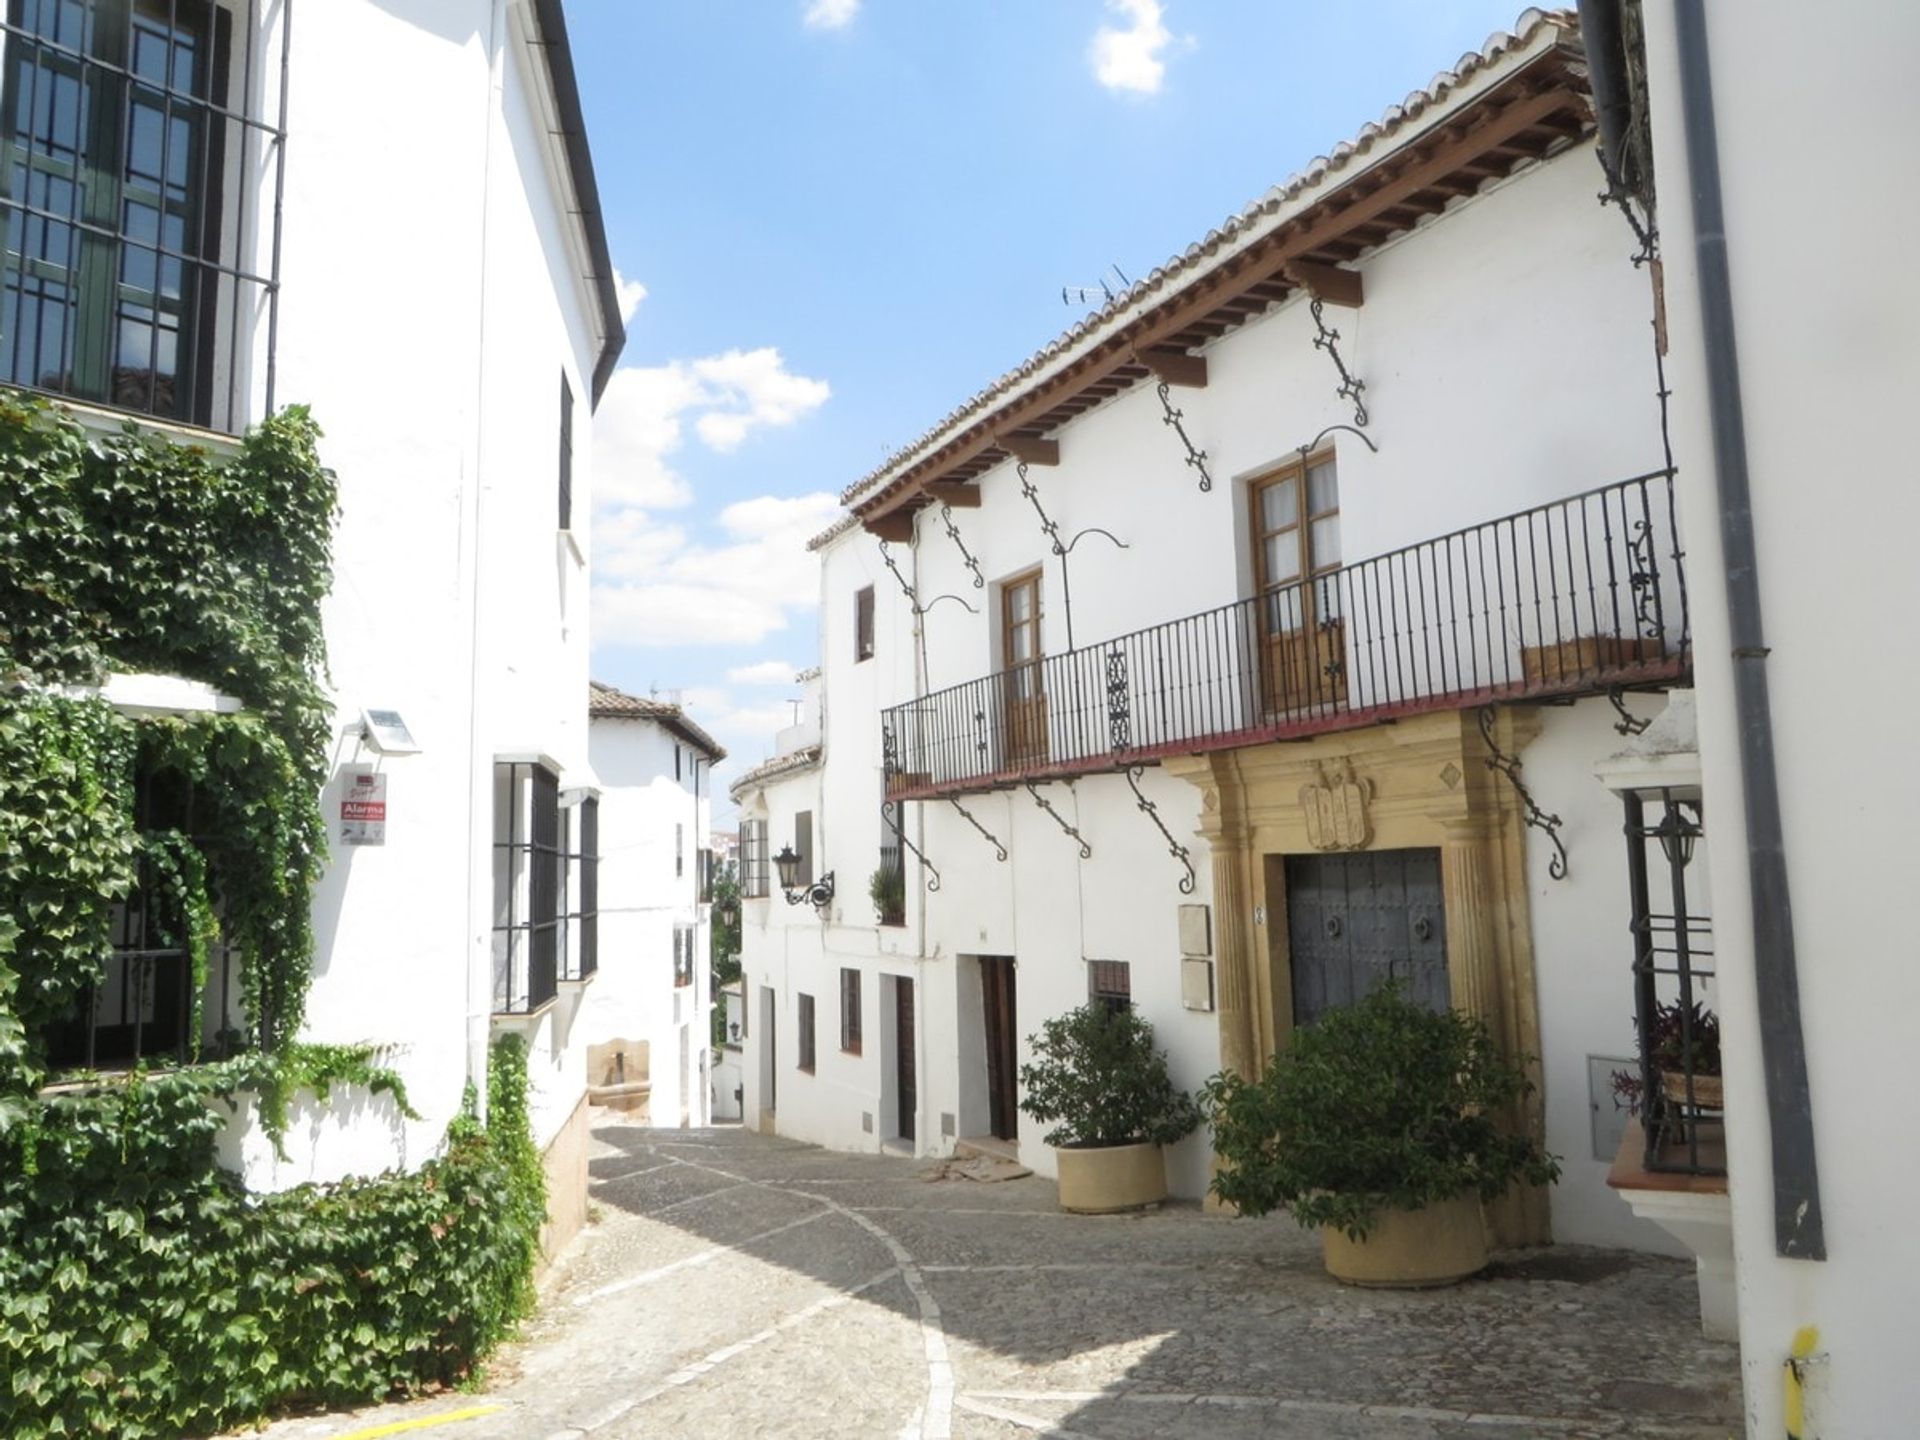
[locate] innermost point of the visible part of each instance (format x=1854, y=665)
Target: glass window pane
x=1282, y=559
x=1323, y=488
x=1326, y=542
x=1279, y=505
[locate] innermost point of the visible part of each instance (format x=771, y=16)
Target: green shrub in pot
x=1098, y=1080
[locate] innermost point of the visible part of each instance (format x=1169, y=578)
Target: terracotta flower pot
x=1111, y=1178
x=1412, y=1249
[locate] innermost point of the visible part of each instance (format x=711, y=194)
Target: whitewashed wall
x=1829, y=352
x=428, y=312
x=642, y=899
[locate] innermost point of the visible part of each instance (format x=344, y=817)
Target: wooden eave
x=1525, y=118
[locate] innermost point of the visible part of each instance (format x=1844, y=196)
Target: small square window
x=1110, y=984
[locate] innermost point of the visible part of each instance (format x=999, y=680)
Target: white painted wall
x=429, y=308
x=643, y=895
x=1829, y=351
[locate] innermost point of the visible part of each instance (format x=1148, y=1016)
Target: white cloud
x=763, y=672
x=654, y=588
x=1130, y=59
x=631, y=293
x=831, y=14
x=642, y=416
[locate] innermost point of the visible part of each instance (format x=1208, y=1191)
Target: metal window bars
x=134, y=158
x=527, y=863
x=1564, y=599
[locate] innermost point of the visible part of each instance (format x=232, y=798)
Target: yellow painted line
x=399, y=1427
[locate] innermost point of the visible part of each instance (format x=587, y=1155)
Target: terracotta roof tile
x=606, y=703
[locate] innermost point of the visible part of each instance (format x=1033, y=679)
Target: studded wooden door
x=1355, y=921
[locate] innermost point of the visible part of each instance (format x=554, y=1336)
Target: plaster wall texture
x=1470, y=427
x=1826, y=343
x=432, y=359
x=642, y=899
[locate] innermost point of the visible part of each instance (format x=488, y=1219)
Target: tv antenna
x=1084, y=294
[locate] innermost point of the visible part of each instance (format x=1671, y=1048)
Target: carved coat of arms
x=1336, y=810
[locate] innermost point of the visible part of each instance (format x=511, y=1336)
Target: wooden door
x=1296, y=552
x=1355, y=921
x=1003, y=1059
x=905, y=1080
x=1026, y=696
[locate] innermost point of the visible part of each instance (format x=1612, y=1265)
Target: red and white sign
x=363, y=808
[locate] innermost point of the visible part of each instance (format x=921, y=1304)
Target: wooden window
x=803, y=846
x=850, y=1011
x=806, y=1033
x=1296, y=549
x=753, y=860
x=566, y=453
x=1110, y=983
x=1023, y=657
x=863, y=624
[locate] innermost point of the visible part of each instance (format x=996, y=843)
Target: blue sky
x=837, y=219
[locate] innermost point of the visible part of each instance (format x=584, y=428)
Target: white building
x=655, y=981
x=1171, y=648
x=388, y=213
x=1791, y=366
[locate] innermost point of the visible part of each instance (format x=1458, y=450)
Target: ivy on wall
x=130, y=553
x=144, y=1294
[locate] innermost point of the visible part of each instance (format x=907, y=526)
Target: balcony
x=1567, y=599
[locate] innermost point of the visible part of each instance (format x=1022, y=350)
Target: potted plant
x=1683, y=1042
x=888, y=890
x=1098, y=1080
x=1380, y=1124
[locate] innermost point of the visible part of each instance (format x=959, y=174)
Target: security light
x=385, y=733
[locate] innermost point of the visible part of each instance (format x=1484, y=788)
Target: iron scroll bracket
x=999, y=850
x=1628, y=723
x=1152, y=812
x=1351, y=386
x=1535, y=817
x=1032, y=492
x=1086, y=850
x=892, y=813
x=1176, y=418
x=953, y=532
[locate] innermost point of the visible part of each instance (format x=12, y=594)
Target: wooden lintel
x=1034, y=449
x=894, y=525
x=1327, y=282
x=961, y=496
x=1174, y=367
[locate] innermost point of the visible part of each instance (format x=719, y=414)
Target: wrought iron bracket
x=886, y=554
x=1538, y=819
x=953, y=532
x=1644, y=579
x=1152, y=811
x=896, y=819
x=1032, y=492
x=1327, y=339
x=999, y=850
x=1086, y=850
x=1196, y=457
x=1628, y=723
x=1361, y=435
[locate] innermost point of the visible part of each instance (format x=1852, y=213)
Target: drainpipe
x=1799, y=1231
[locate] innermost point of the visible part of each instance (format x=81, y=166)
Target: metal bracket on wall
x=1174, y=847
x=893, y=812
x=1032, y=492
x=1196, y=458
x=953, y=531
x=1509, y=766
x=1086, y=850
x=1360, y=435
x=1350, y=384
x=886, y=554
x=999, y=850
x=1628, y=723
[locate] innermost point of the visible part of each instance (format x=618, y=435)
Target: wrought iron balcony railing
x=1565, y=599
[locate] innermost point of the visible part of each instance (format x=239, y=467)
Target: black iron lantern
x=1677, y=833
x=818, y=893
x=788, y=864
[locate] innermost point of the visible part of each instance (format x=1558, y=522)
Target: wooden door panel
x=1002, y=1044
x=1356, y=921
x=906, y=1079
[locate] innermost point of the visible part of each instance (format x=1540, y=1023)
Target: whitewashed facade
x=411, y=246
x=655, y=977
x=1503, y=337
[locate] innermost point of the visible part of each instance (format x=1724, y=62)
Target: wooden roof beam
x=1174, y=367
x=961, y=495
x=894, y=525
x=1031, y=449
x=1327, y=282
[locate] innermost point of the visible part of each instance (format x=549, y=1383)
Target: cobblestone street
x=735, y=1285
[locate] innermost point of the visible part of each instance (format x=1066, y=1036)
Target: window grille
x=566, y=453
x=683, y=948
x=703, y=869
x=890, y=896
x=132, y=151
x=527, y=865
x=1110, y=984
x=753, y=860
x=806, y=1033
x=863, y=624
x=850, y=1011
x=803, y=846
x=579, y=944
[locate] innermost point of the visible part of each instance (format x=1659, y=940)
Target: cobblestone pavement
x=735, y=1285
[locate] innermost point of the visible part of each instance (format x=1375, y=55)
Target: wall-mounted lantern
x=819, y=892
